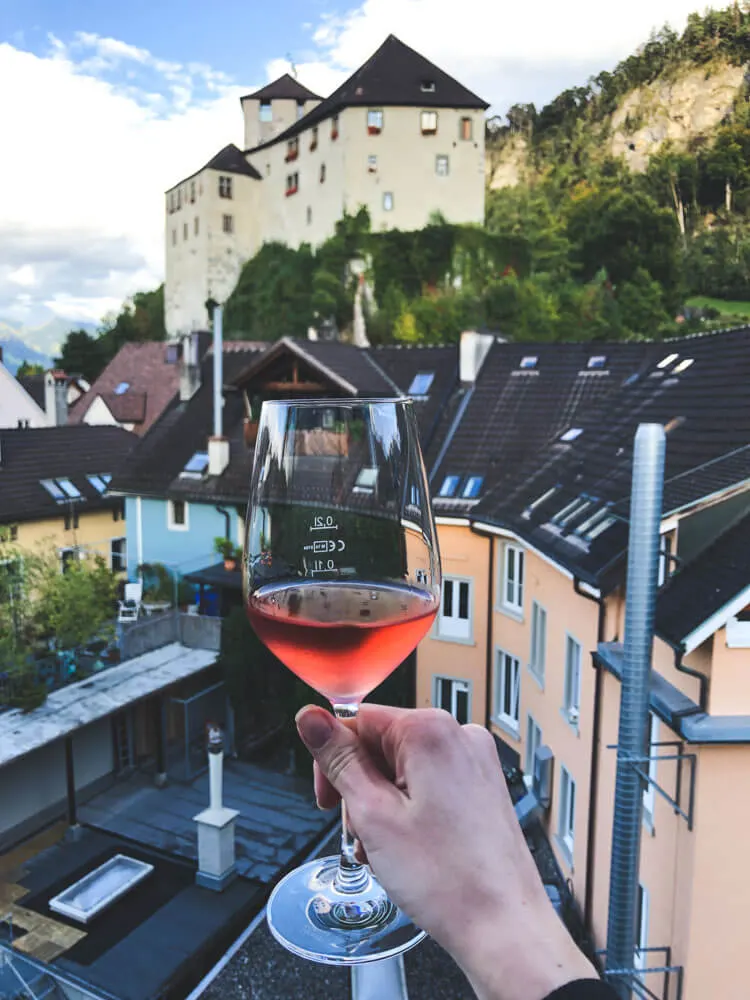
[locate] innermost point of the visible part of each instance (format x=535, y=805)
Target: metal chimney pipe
x=643, y=554
x=218, y=369
x=215, y=768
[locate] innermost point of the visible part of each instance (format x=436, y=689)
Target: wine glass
x=342, y=580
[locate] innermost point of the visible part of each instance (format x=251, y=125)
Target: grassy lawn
x=724, y=306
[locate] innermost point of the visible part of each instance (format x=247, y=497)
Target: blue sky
x=112, y=103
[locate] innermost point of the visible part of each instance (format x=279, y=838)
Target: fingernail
x=314, y=728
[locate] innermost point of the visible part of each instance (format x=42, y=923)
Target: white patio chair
x=130, y=607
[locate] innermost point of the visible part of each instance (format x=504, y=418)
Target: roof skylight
x=472, y=486
x=538, y=502
x=61, y=489
x=683, y=365
x=53, y=489
x=597, y=361
x=421, y=383
x=196, y=467
x=528, y=362
x=449, y=487
x=593, y=522
x=99, y=482
x=122, y=388
x=366, y=480
x=428, y=86
x=666, y=362
x=571, y=510
x=571, y=434
x=600, y=527
x=71, y=492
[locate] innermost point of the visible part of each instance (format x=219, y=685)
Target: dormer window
x=427, y=86
x=429, y=122
x=265, y=113
x=374, y=121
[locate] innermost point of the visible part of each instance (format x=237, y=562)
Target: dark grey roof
x=231, y=160
x=73, y=452
x=713, y=477
x=704, y=586
x=392, y=76
x=696, y=387
x=286, y=88
x=34, y=386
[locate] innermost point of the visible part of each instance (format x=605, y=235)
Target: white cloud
x=100, y=127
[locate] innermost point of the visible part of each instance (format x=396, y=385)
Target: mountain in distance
x=37, y=344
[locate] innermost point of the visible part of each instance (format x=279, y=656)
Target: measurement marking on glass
x=321, y=523
x=322, y=566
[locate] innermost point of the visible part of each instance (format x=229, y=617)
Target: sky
x=106, y=105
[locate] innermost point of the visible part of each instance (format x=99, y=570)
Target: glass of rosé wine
x=342, y=581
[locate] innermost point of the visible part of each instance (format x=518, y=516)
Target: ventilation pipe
x=473, y=349
x=218, y=446
x=643, y=554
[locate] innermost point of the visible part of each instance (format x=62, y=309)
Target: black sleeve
x=584, y=989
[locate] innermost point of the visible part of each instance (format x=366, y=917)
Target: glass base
x=310, y=917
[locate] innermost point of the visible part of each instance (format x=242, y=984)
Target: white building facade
x=399, y=137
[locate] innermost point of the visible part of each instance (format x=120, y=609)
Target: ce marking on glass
x=324, y=546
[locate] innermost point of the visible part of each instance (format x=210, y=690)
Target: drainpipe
x=490, y=609
x=594, y=776
x=227, y=520
x=218, y=445
x=679, y=652
x=643, y=554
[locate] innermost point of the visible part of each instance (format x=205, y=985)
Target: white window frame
x=451, y=626
x=505, y=662
x=388, y=201
x=375, y=120
x=172, y=525
x=572, y=690
x=533, y=742
x=514, y=602
x=567, y=813
x=123, y=556
x=640, y=956
x=428, y=122
x=458, y=685
x=538, y=643
x=649, y=792
x=665, y=552
x=265, y=112
x=442, y=158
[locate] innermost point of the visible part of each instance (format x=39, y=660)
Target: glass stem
x=351, y=875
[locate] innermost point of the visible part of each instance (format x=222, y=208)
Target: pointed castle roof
x=286, y=88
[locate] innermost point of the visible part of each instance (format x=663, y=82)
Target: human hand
x=428, y=801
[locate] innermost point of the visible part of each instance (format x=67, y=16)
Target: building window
x=170, y=203
x=372, y=164
x=178, y=515
x=507, y=689
x=640, y=958
x=68, y=557
x=227, y=224
x=387, y=201
x=567, y=818
x=454, y=619
x=118, y=512
x=665, y=559
x=572, y=704
x=265, y=113
x=335, y=127
x=454, y=696
x=184, y=231
x=322, y=173
x=538, y=656
x=513, y=567
x=174, y=237
x=71, y=521
x=192, y=192
x=292, y=149
x=196, y=225
x=13, y=533
x=533, y=742
x=309, y=215
x=649, y=792
x=441, y=165
x=225, y=187
x=429, y=122
x=466, y=129
x=118, y=559
x=292, y=183
x=300, y=110
x=374, y=121
x=314, y=139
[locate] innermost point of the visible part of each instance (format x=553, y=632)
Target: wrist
x=523, y=957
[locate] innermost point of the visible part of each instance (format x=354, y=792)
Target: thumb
x=339, y=753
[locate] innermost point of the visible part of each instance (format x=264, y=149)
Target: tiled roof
x=286, y=88
x=708, y=583
x=695, y=387
x=713, y=477
x=31, y=455
x=34, y=386
x=395, y=75
x=152, y=382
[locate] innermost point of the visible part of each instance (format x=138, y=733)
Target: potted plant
x=229, y=552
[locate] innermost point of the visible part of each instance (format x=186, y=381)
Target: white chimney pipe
x=216, y=779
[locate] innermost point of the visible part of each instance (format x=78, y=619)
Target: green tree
x=29, y=368
x=73, y=606
x=273, y=297
x=641, y=303
x=82, y=354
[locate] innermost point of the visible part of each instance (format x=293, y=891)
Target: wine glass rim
x=347, y=401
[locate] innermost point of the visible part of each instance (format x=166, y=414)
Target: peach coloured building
x=531, y=492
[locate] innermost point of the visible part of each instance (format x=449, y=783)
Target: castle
x=400, y=136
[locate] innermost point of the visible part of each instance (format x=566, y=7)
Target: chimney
x=218, y=446
x=474, y=348
x=56, y=397
x=190, y=372
x=216, y=867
